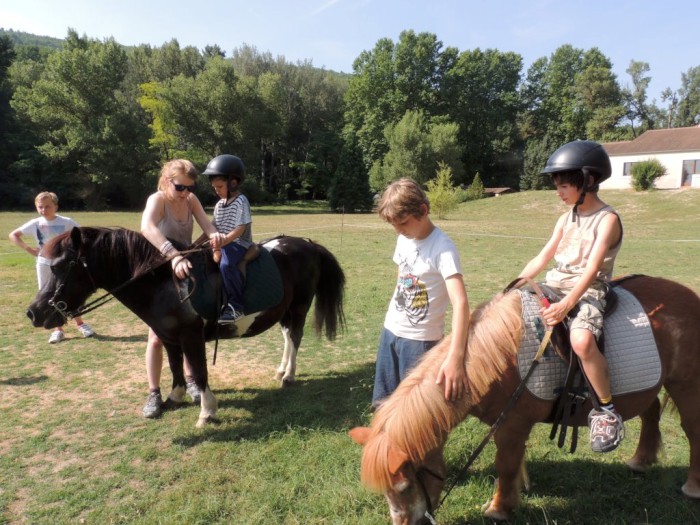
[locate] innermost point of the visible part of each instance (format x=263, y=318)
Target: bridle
x=429, y=511
x=60, y=306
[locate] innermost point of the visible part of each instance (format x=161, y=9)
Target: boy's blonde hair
x=402, y=198
x=46, y=195
x=173, y=168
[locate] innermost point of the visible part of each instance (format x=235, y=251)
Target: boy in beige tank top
x=584, y=245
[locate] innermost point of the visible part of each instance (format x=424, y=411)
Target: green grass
x=75, y=449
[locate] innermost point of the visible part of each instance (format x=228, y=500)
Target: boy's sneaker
x=86, y=330
x=56, y=336
x=606, y=429
x=194, y=392
x=154, y=405
x=229, y=315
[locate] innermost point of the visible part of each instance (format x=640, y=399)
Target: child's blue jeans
x=231, y=254
x=395, y=359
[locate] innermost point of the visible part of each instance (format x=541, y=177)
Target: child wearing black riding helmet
x=584, y=244
x=233, y=222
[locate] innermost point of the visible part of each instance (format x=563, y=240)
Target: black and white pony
x=86, y=259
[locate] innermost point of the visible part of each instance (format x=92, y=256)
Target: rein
x=61, y=307
x=517, y=283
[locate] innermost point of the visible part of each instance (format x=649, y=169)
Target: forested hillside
x=93, y=120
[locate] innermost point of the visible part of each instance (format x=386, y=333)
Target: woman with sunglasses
x=170, y=214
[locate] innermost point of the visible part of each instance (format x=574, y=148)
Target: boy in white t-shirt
x=429, y=279
x=44, y=228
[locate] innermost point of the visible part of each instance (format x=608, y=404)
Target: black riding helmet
x=228, y=166
x=586, y=156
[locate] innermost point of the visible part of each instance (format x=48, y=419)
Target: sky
x=332, y=33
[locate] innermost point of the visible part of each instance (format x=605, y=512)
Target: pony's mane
x=119, y=243
x=416, y=418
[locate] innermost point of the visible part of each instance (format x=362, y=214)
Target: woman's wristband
x=166, y=248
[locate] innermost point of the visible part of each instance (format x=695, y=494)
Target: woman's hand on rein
x=181, y=266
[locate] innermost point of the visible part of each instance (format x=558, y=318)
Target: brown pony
x=402, y=454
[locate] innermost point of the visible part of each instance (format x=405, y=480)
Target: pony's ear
x=75, y=237
x=396, y=460
x=360, y=435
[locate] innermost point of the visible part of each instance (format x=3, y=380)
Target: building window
x=627, y=169
x=690, y=168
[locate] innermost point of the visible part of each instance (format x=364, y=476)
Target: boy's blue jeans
x=231, y=254
x=395, y=359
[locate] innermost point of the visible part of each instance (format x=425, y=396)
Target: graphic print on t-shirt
x=46, y=232
x=411, y=293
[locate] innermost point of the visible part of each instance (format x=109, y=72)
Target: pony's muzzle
x=36, y=322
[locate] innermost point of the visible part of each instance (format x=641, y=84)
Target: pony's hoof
x=637, y=466
x=691, y=491
x=287, y=382
x=279, y=376
x=492, y=513
x=208, y=420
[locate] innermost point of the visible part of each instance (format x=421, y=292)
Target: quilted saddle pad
x=630, y=348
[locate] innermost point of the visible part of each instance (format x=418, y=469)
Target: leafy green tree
x=11, y=190
x=88, y=129
x=388, y=81
x=638, y=110
x=214, y=51
x=571, y=95
x=441, y=192
x=163, y=137
x=475, y=191
x=206, y=113
x=480, y=93
x=537, y=151
x=369, y=100
x=645, y=173
x=349, y=190
x=565, y=92
x=689, y=98
x=668, y=115
x=416, y=146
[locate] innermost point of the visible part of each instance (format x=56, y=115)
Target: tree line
x=93, y=120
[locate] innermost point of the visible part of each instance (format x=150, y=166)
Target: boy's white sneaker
x=57, y=336
x=86, y=330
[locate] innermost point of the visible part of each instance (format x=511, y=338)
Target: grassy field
x=74, y=447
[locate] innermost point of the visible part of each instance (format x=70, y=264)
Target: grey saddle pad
x=630, y=349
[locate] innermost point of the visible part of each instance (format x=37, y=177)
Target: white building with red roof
x=678, y=149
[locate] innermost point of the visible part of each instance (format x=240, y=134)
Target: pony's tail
x=330, y=293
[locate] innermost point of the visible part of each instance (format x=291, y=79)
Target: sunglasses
x=183, y=187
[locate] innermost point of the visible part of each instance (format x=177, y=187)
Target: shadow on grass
x=588, y=491
x=124, y=338
x=23, y=381
x=334, y=402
